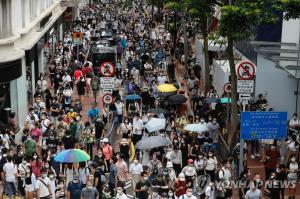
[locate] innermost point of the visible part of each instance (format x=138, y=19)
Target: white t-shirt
x=66, y=78
x=43, y=188
x=253, y=194
x=119, y=107
x=137, y=126
x=136, y=169
x=224, y=174
x=83, y=173
x=185, y=196
x=294, y=122
x=10, y=171
x=210, y=192
x=211, y=163
x=161, y=80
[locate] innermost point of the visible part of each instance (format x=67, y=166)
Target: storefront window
x=4, y=102
x=29, y=84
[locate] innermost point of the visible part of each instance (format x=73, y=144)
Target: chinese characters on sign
x=263, y=125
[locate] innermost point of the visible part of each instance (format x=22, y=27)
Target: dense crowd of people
x=148, y=55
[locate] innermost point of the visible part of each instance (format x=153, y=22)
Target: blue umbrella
x=72, y=155
x=132, y=97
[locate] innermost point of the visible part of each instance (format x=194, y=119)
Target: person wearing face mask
x=272, y=189
x=89, y=192
x=60, y=192
x=30, y=182
x=189, y=193
x=213, y=129
x=253, y=192
x=30, y=119
x=257, y=179
x=125, y=128
x=199, y=163
x=189, y=171
x=43, y=189
x=294, y=124
x=244, y=180
x=119, y=192
x=36, y=165
x=224, y=177
x=272, y=158
x=74, y=188
x=18, y=158
x=200, y=136
x=22, y=171
x=143, y=186
x=161, y=79
x=292, y=175
x=281, y=176
x=211, y=165
x=135, y=170
x=83, y=172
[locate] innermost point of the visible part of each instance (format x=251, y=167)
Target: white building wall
x=278, y=86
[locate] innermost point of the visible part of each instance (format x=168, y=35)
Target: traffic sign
x=227, y=88
x=246, y=70
x=107, y=69
x=244, y=97
x=245, y=86
x=107, y=82
x=107, y=98
x=263, y=125
x=77, y=38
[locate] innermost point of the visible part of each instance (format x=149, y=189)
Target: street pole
x=77, y=53
x=242, y=143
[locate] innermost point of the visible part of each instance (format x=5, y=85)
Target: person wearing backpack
x=84, y=173
x=224, y=177
x=95, y=86
x=74, y=188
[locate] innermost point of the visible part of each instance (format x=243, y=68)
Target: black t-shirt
x=261, y=101
x=146, y=98
x=124, y=149
x=52, y=143
x=55, y=106
x=17, y=159
x=97, y=175
x=69, y=142
x=145, y=192
x=99, y=126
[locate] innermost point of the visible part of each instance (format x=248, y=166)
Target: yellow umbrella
x=166, y=88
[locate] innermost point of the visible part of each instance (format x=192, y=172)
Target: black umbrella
x=176, y=99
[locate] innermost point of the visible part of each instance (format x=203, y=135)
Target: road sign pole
x=242, y=143
x=77, y=53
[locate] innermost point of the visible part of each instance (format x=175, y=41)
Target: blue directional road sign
x=263, y=125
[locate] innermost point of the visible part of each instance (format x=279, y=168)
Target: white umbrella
x=196, y=128
x=155, y=124
x=152, y=142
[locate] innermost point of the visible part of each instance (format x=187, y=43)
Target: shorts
x=29, y=188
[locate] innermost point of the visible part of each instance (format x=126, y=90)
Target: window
x=23, y=4
x=5, y=18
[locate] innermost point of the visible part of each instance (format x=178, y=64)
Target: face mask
x=24, y=162
x=170, y=194
x=75, y=180
x=27, y=171
x=214, y=121
x=47, y=166
x=29, y=138
x=89, y=187
x=189, y=194
x=4, y=155
x=34, y=157
x=293, y=159
x=202, y=121
x=136, y=161
x=272, y=177
x=146, y=178
x=210, y=155
x=51, y=176
x=119, y=191
x=200, y=156
x=154, y=194
x=21, y=152
x=44, y=175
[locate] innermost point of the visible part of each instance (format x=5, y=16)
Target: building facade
x=29, y=31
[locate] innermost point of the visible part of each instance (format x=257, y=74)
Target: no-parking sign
x=246, y=71
x=107, y=69
x=107, y=98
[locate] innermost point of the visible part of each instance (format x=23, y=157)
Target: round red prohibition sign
x=107, y=69
x=246, y=71
x=107, y=98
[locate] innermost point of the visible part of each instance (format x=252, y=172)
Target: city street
x=118, y=99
